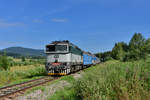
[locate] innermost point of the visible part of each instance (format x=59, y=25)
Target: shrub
x=4, y=62
x=23, y=59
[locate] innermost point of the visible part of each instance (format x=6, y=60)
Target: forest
x=138, y=48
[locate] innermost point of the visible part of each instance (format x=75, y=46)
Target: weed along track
x=10, y=91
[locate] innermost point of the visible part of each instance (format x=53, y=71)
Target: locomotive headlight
x=65, y=64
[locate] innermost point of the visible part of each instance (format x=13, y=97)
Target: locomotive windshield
x=56, y=48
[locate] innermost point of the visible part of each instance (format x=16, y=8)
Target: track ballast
x=13, y=89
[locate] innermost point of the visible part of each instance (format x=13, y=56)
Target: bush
x=23, y=59
x=4, y=62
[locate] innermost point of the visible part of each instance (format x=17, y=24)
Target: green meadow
x=14, y=70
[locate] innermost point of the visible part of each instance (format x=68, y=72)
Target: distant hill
x=20, y=51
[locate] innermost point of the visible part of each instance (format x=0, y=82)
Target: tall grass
x=115, y=81
x=112, y=80
x=9, y=76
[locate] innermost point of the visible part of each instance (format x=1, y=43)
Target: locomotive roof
x=64, y=42
x=59, y=42
x=87, y=52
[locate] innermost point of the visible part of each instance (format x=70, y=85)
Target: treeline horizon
x=19, y=56
x=138, y=48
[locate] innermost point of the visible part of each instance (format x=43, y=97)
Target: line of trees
x=138, y=48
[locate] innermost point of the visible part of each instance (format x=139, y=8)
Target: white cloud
x=58, y=10
x=60, y=20
x=37, y=21
x=4, y=23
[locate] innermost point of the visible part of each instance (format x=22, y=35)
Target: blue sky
x=93, y=25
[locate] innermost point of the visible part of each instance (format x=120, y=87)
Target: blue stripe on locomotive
x=87, y=59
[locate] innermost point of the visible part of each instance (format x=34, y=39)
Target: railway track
x=13, y=89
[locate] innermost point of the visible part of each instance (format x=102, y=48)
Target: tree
x=4, y=62
x=104, y=56
x=118, y=52
x=136, y=46
x=146, y=49
x=147, y=46
x=137, y=41
x=23, y=59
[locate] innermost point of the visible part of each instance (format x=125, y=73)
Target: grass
x=112, y=80
x=66, y=94
x=21, y=74
x=18, y=62
x=24, y=68
x=68, y=78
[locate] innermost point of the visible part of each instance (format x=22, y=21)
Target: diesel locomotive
x=64, y=58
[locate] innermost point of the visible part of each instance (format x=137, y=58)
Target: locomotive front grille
x=57, y=69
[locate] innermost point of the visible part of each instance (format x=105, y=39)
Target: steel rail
x=10, y=90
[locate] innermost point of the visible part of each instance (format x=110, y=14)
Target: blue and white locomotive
x=64, y=58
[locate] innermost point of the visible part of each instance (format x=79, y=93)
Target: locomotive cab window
x=56, y=48
x=50, y=48
x=60, y=48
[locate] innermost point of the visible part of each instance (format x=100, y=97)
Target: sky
x=93, y=25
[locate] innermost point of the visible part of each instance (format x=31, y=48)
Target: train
x=63, y=58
